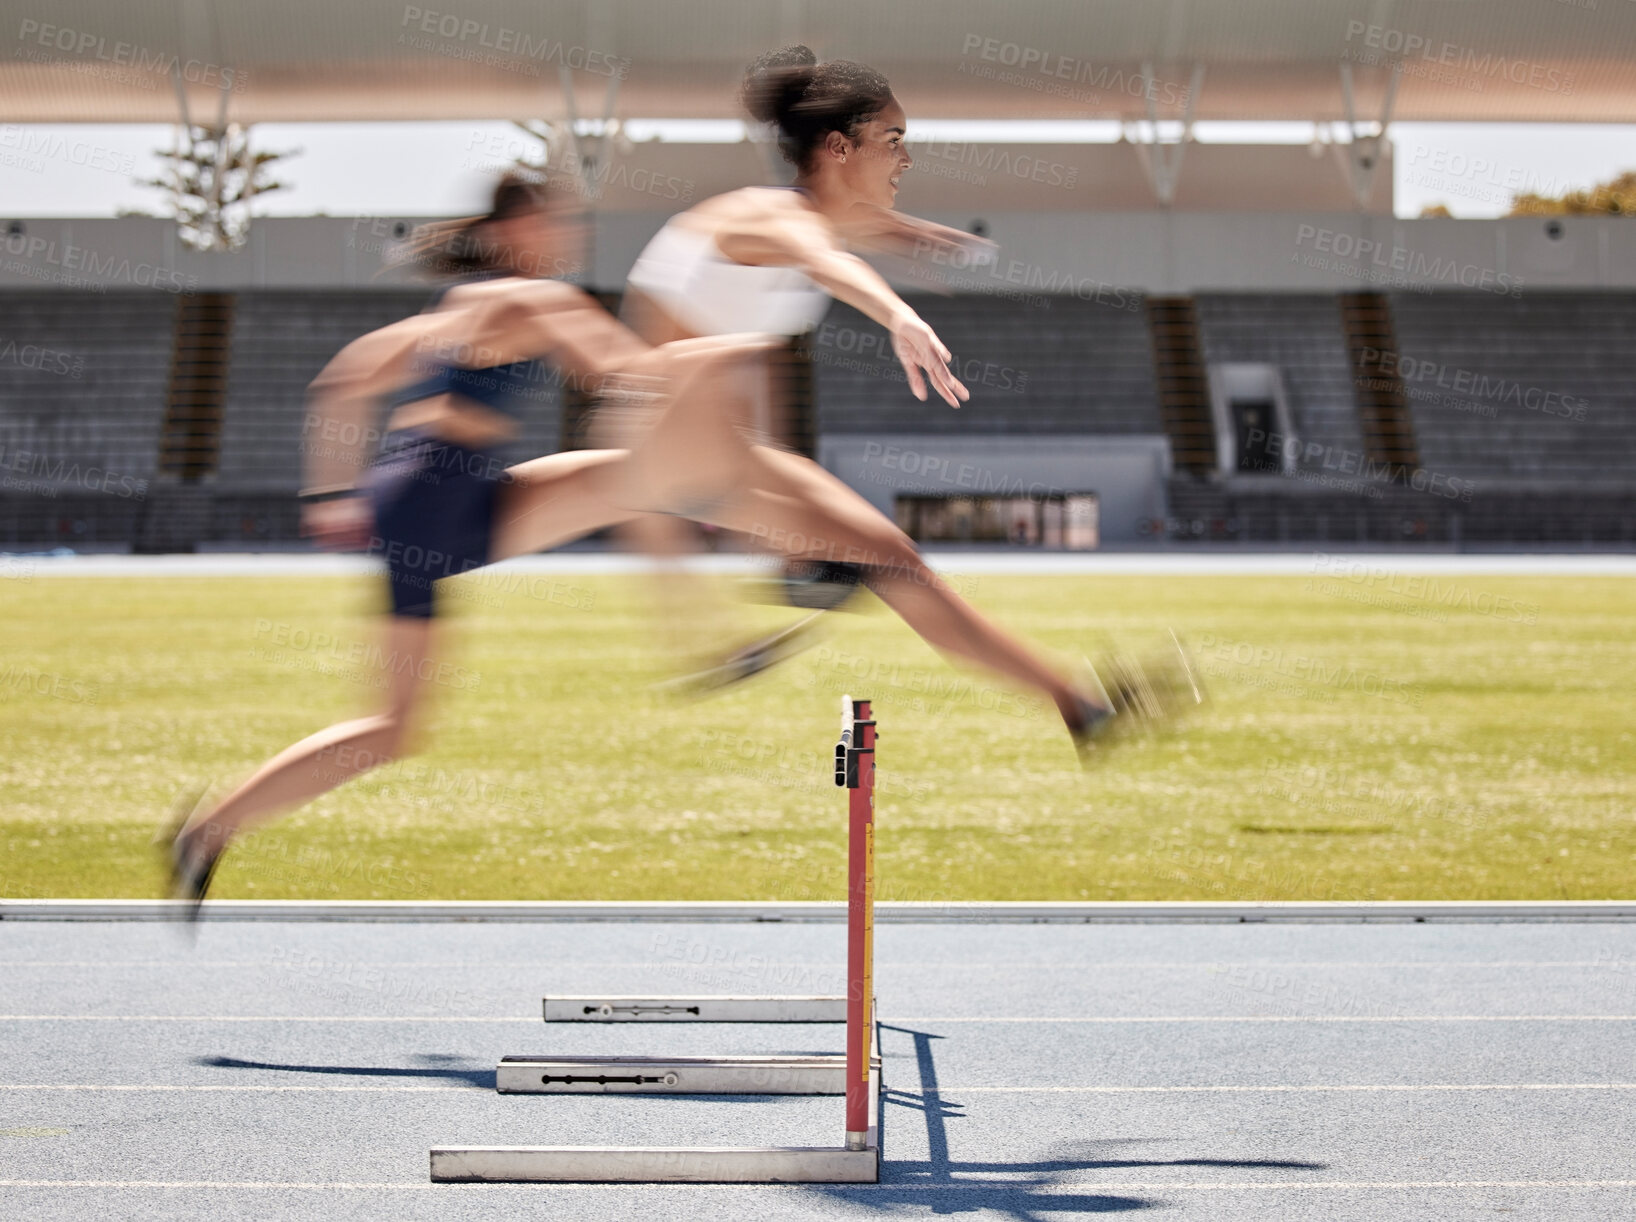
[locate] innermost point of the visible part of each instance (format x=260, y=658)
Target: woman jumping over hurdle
x=770, y=260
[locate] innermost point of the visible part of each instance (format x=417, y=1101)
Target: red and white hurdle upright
x=856, y=1073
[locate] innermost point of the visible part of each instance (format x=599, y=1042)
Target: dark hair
x=808, y=100
x=458, y=247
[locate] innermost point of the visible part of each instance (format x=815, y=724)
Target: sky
x=346, y=169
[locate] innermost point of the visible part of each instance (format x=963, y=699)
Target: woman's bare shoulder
x=747, y=205
x=540, y=293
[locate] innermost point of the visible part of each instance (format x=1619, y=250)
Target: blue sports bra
x=502, y=388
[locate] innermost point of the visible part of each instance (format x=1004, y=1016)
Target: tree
x=211, y=178
x=1614, y=198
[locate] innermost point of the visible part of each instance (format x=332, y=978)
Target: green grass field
x=1463, y=737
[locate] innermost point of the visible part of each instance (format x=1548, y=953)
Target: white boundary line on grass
x=886, y=913
x=1335, y=564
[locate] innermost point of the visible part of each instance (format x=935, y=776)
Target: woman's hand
x=918, y=348
x=343, y=525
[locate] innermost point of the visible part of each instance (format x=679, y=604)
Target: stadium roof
x=317, y=60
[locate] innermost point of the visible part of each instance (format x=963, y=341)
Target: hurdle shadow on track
x=480, y=1079
x=1027, y=1197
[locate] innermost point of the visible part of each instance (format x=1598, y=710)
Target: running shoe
x=749, y=660
x=190, y=872
x=811, y=585
x=1127, y=693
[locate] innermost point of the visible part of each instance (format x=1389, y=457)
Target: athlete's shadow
x=480, y=1078
x=945, y=1186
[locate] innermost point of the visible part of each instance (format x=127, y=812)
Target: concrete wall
x=1092, y=255
x=1128, y=474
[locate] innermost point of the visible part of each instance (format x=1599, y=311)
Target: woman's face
x=871, y=165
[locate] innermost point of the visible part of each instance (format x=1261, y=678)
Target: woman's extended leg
x=796, y=507
x=322, y=761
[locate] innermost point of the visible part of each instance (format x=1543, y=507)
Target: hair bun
x=775, y=82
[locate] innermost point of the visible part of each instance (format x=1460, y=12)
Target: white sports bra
x=686, y=273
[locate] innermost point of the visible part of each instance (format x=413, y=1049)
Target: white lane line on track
x=676, y=965
x=944, y=1019
x=233, y=1088
x=941, y=1090
x=1276, y=1090
x=254, y=1018
x=1054, y=1186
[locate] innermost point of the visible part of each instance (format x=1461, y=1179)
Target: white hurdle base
x=666, y=1164
x=656, y=1165
x=604, y=1009
x=708, y=1075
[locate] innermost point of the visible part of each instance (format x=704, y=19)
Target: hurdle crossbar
x=604, y=1008
x=856, y=1074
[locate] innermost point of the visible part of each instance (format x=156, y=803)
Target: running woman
x=438, y=501
x=770, y=260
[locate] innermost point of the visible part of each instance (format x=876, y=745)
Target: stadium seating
x=83, y=376
x=1529, y=402
x=1041, y=365
x=1300, y=333
x=83, y=381
x=1536, y=387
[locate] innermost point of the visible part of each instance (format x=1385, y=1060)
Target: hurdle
x=854, y=1073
